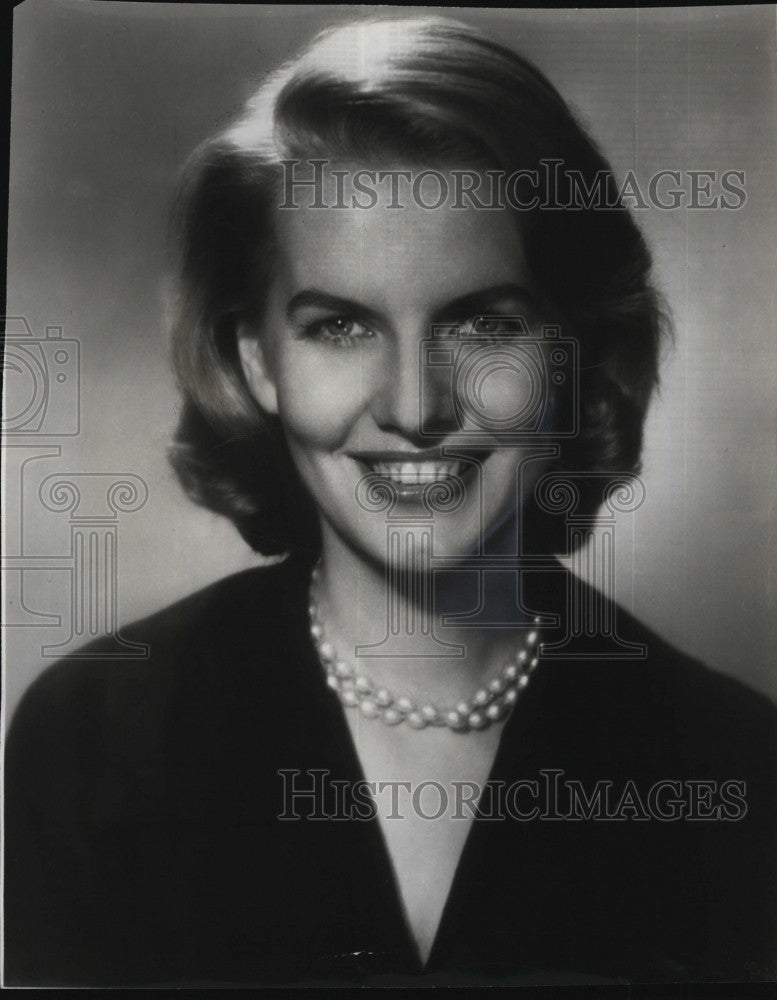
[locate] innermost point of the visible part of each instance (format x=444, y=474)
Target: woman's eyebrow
x=315, y=298
x=485, y=300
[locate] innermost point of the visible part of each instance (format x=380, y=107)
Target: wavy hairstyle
x=427, y=91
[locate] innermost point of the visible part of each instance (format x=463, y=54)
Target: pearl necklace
x=491, y=703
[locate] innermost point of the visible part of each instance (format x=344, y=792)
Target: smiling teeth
x=414, y=473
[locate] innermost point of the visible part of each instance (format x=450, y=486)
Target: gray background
x=108, y=99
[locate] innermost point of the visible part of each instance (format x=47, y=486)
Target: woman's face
x=375, y=356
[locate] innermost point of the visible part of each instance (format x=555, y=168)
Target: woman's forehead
x=406, y=249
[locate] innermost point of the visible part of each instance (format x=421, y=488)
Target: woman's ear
x=253, y=359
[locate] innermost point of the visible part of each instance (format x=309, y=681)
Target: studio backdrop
x=108, y=101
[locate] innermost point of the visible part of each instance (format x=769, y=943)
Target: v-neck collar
x=544, y=594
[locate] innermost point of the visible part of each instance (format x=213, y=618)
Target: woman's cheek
x=318, y=408
x=498, y=392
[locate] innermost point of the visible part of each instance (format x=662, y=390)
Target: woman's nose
x=413, y=397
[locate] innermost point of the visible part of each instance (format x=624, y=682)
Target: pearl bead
x=455, y=721
x=533, y=663
x=404, y=704
x=316, y=631
x=326, y=651
x=537, y=619
x=429, y=713
x=510, y=672
x=482, y=697
x=369, y=708
x=416, y=720
x=523, y=680
x=463, y=708
x=477, y=720
x=510, y=697
x=496, y=711
x=383, y=697
x=349, y=697
x=391, y=717
x=521, y=656
x=333, y=682
x=343, y=669
x=531, y=638
x=363, y=685
x=496, y=686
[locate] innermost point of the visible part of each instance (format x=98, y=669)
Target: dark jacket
x=144, y=843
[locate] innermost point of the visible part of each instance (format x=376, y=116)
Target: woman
x=408, y=751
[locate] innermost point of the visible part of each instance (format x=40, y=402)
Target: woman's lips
x=409, y=476
x=415, y=473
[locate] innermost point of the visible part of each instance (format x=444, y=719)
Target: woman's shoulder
x=628, y=681
x=706, y=716
x=694, y=687
x=194, y=647
x=258, y=595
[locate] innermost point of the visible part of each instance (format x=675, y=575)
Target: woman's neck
x=396, y=624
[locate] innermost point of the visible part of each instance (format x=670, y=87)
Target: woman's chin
x=415, y=543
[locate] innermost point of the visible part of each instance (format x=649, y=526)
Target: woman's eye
x=489, y=327
x=339, y=331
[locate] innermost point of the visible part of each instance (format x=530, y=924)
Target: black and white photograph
x=389, y=526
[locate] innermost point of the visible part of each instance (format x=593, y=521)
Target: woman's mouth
x=410, y=477
x=415, y=473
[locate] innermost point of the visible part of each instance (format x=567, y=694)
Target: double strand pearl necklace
x=489, y=704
